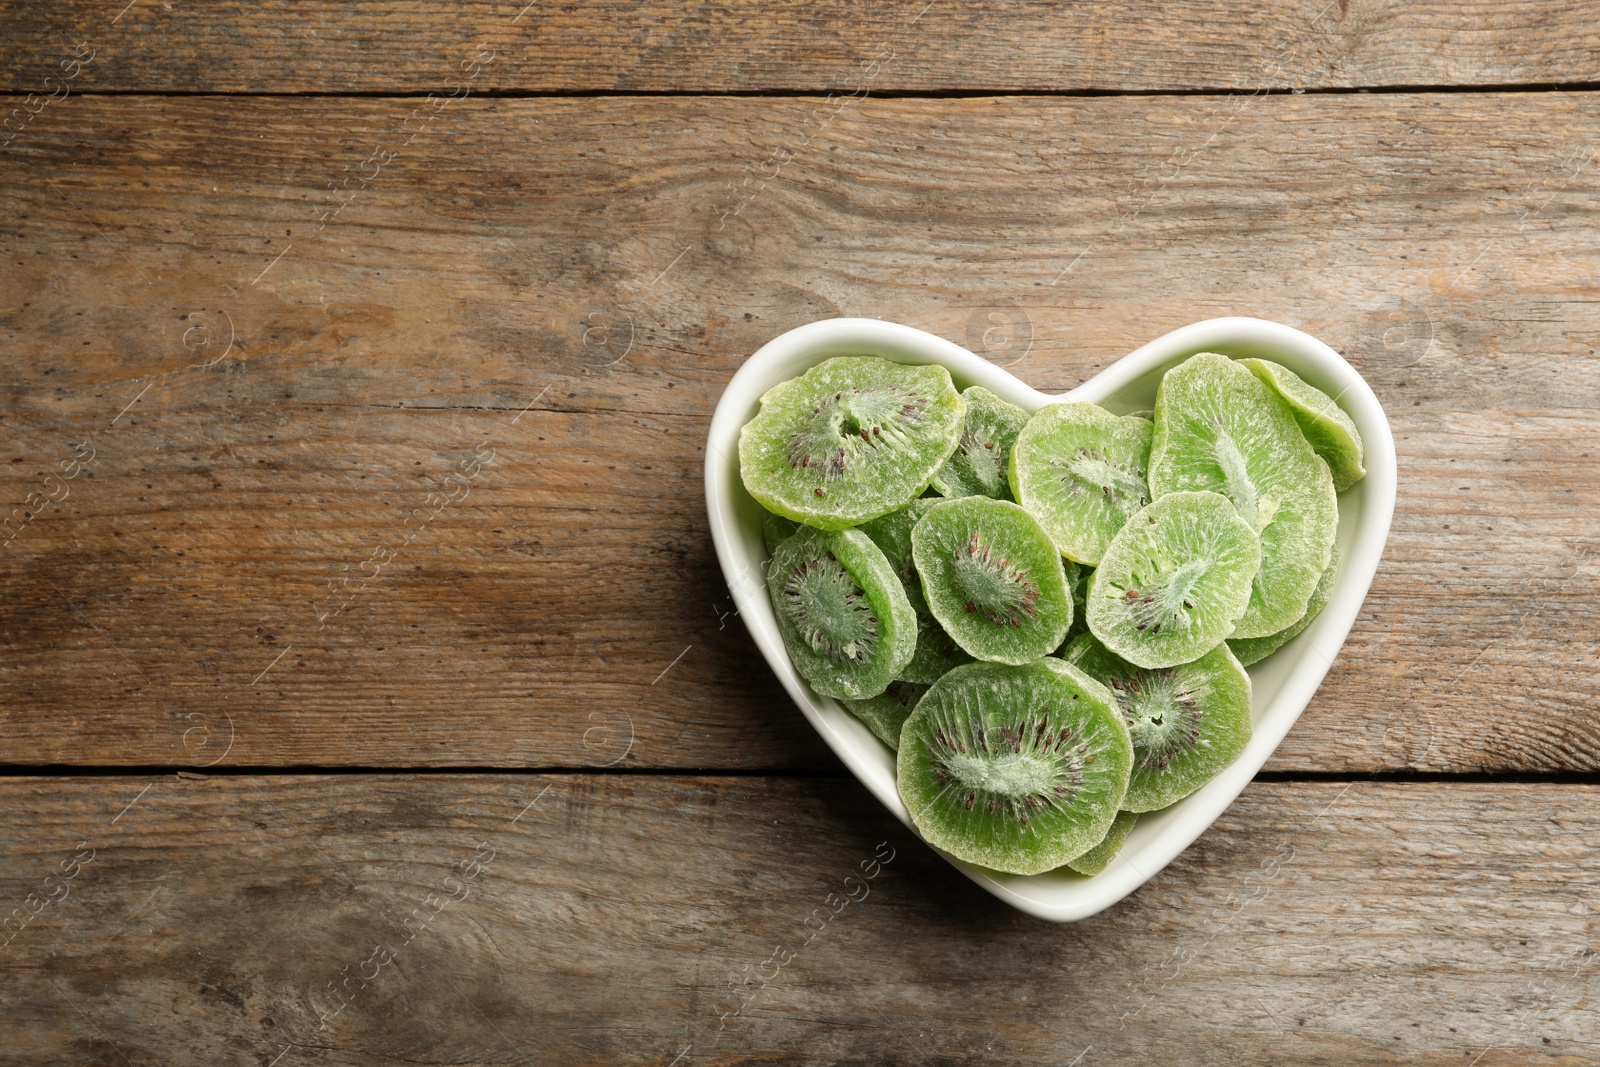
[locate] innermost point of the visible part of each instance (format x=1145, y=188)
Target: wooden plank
x=273, y=377
x=996, y=45
x=379, y=920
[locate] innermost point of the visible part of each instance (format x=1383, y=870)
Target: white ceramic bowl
x=1283, y=683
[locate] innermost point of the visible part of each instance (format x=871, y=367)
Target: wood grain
x=273, y=383
x=1010, y=45
x=613, y=920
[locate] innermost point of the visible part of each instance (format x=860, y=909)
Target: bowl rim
x=1366, y=510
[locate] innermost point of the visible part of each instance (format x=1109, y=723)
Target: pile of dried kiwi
x=1047, y=616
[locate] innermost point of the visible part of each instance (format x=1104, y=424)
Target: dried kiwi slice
x=1254, y=649
x=1100, y=856
x=1218, y=428
x=887, y=712
x=1015, y=768
x=936, y=652
x=992, y=578
x=1080, y=470
x=842, y=613
x=1187, y=722
x=1332, y=433
x=775, y=530
x=853, y=438
x=978, y=466
x=1174, y=580
x=1078, y=585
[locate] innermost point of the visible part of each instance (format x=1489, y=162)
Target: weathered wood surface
x=570, y=283
x=612, y=921
x=305, y=46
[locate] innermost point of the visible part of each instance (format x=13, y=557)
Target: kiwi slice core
x=831, y=614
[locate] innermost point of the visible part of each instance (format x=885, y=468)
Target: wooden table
x=369, y=691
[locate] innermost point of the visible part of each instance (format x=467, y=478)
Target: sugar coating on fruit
x=843, y=615
x=1219, y=429
x=979, y=465
x=992, y=578
x=1186, y=722
x=1080, y=470
x=853, y=438
x=1017, y=768
x=1174, y=581
x=843, y=430
x=1331, y=433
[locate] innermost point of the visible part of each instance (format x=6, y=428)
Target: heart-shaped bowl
x=1283, y=683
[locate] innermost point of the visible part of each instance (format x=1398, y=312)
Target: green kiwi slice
x=936, y=652
x=1080, y=470
x=1174, y=581
x=841, y=611
x=887, y=712
x=1332, y=433
x=1078, y=577
x=1219, y=429
x=775, y=530
x=1015, y=768
x=1187, y=722
x=853, y=438
x=1255, y=649
x=992, y=578
x=978, y=466
x=1100, y=856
